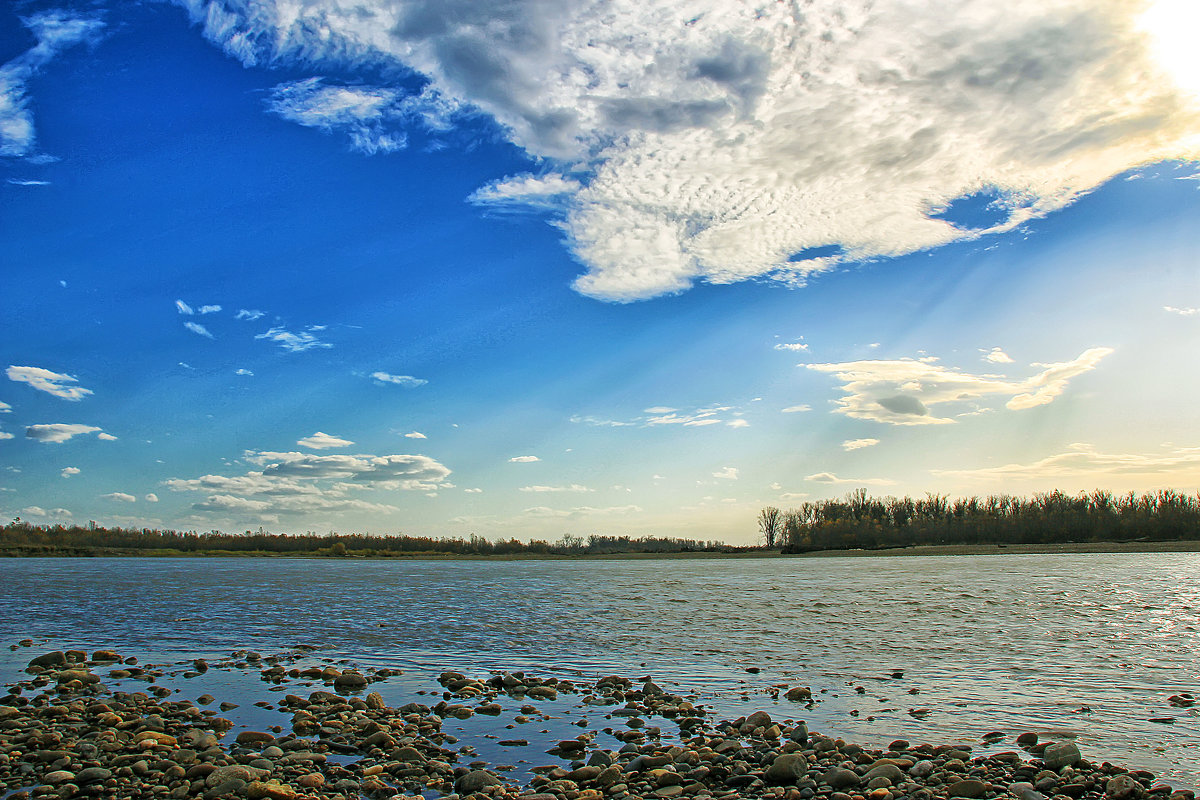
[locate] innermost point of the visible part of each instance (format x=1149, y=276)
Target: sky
x=535, y=267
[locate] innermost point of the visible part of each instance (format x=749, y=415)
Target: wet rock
x=967, y=788
x=55, y=658
x=350, y=681
x=787, y=768
x=254, y=738
x=840, y=778
x=1062, y=754
x=889, y=771
x=475, y=780
x=922, y=769
x=1123, y=787
x=92, y=775
x=1027, y=739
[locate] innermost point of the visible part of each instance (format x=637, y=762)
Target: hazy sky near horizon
x=525, y=268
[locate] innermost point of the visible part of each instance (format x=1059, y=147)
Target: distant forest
x=20, y=538
x=862, y=521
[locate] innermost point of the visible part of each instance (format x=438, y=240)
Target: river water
x=1089, y=646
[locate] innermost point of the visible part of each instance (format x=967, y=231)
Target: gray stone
x=759, y=719
x=967, y=788
x=922, y=769
x=1023, y=790
x=787, y=768
x=839, y=778
x=474, y=781
x=889, y=771
x=92, y=775
x=1062, y=754
x=600, y=758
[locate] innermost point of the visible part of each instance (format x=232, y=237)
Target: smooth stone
x=92, y=775
x=57, y=776
x=839, y=778
x=922, y=769
x=1062, y=754
x=759, y=719
x=967, y=788
x=474, y=781
x=889, y=771
x=787, y=768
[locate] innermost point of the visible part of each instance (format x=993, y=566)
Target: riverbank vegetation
x=859, y=521
x=20, y=538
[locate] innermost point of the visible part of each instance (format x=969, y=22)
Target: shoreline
x=64, y=733
x=1171, y=546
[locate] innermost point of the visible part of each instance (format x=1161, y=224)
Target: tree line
x=23, y=538
x=861, y=521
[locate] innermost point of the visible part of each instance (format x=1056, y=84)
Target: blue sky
x=526, y=269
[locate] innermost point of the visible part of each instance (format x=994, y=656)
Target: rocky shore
x=65, y=733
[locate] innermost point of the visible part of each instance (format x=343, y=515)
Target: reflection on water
x=1091, y=644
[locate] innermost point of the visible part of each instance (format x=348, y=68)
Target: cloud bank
x=907, y=391
x=723, y=142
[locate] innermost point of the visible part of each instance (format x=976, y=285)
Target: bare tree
x=770, y=522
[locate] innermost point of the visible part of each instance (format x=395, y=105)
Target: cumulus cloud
x=858, y=444
x=574, y=487
x=473, y=491
x=996, y=356
x=198, y=329
x=794, y=346
x=1084, y=464
x=5, y=435
x=244, y=372
x=296, y=342
x=829, y=477
x=407, y=381
x=120, y=496
x=906, y=391
x=249, y=314
x=58, y=432
x=323, y=441
x=106, y=437
x=727, y=474
x=767, y=141
x=55, y=31
x=415, y=435
x=5, y=408
x=209, y=309
x=523, y=459
x=151, y=498
x=738, y=423
x=297, y=484
x=55, y=383
x=69, y=471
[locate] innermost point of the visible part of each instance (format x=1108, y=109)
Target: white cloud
x=69, y=471
x=295, y=342
x=367, y=114
x=721, y=141
x=1183, y=312
x=323, y=441
x=54, y=383
x=245, y=372
x=184, y=308
x=249, y=314
x=198, y=329
x=55, y=31
x=57, y=432
x=151, y=498
x=858, y=444
x=415, y=435
x=1082, y=464
x=5, y=408
x=106, y=437
x=34, y=511
x=5, y=435
x=581, y=511
x=407, y=381
x=660, y=410
x=665, y=415
x=473, y=491
x=727, y=474
x=23, y=182
x=526, y=191
x=793, y=495
x=209, y=309
x=829, y=477
x=297, y=484
x=796, y=409
x=523, y=459
x=997, y=356
x=795, y=346
x=120, y=496
x=738, y=423
x=574, y=487
x=905, y=391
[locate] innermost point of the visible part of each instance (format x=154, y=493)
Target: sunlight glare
x=1173, y=26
